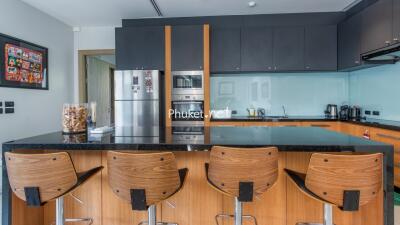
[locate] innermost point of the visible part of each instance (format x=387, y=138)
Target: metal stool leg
x=60, y=220
x=238, y=212
x=60, y=211
x=328, y=217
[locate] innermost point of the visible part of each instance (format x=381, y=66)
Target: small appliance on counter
x=344, y=113
x=331, y=111
x=252, y=111
x=355, y=113
x=261, y=112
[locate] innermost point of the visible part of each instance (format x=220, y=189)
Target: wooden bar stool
x=39, y=178
x=242, y=173
x=144, y=180
x=344, y=181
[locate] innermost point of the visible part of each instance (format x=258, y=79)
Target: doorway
x=96, y=69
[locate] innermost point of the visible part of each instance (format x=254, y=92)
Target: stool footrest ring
x=233, y=216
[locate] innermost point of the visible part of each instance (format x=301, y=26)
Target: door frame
x=82, y=82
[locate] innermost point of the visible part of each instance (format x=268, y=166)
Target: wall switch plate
x=9, y=104
x=367, y=112
x=9, y=110
x=375, y=113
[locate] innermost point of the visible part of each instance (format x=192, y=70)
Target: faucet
x=284, y=112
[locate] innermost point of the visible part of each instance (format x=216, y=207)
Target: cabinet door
x=377, y=25
x=321, y=48
x=140, y=48
x=153, y=48
x=349, y=43
x=256, y=49
x=126, y=57
x=187, y=48
x=396, y=21
x=225, y=50
x=289, y=48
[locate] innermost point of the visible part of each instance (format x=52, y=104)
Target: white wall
x=37, y=111
x=90, y=38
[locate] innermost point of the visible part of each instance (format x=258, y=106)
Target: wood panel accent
x=197, y=203
x=329, y=175
x=156, y=173
x=23, y=215
x=24, y=169
x=206, y=55
x=229, y=166
x=167, y=75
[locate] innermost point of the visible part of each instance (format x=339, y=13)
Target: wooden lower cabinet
x=197, y=203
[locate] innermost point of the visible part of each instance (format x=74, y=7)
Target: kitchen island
x=197, y=203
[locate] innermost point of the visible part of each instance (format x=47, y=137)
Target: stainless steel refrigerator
x=138, y=104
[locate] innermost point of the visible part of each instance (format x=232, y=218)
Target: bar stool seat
x=40, y=178
x=144, y=180
x=343, y=181
x=242, y=173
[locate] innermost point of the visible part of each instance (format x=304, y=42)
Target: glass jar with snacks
x=74, y=118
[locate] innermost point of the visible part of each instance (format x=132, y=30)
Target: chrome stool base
x=328, y=217
x=151, y=213
x=237, y=216
x=60, y=220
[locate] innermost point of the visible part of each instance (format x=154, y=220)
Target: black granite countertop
x=285, y=138
x=272, y=119
x=378, y=123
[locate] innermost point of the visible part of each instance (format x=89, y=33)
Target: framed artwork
x=23, y=64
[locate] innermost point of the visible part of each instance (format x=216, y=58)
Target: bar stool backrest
x=230, y=166
x=51, y=174
x=155, y=173
x=334, y=178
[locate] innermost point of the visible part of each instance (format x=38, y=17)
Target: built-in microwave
x=187, y=83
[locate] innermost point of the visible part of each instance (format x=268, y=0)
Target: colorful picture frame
x=23, y=64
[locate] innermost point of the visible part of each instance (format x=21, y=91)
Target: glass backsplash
x=302, y=94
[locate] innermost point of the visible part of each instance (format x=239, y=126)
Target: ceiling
x=110, y=12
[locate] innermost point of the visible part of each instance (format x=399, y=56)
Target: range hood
x=388, y=55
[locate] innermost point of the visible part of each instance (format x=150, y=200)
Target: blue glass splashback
x=302, y=94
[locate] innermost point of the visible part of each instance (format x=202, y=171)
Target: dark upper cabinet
x=225, y=50
x=396, y=21
x=288, y=48
x=377, y=26
x=349, y=43
x=187, y=48
x=139, y=48
x=256, y=49
x=321, y=48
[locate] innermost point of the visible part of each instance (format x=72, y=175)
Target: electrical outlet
x=9, y=110
x=9, y=104
x=367, y=112
x=375, y=113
